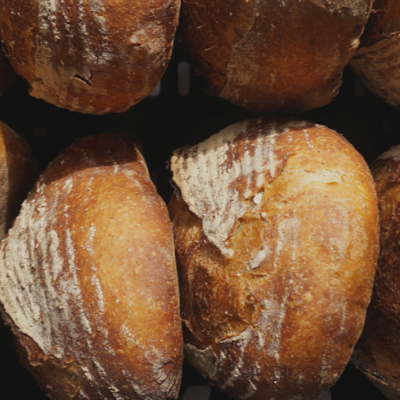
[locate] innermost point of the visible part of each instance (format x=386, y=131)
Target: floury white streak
x=55, y=25
x=40, y=311
x=68, y=270
x=208, y=180
x=49, y=13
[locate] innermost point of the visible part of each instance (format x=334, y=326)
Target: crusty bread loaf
x=18, y=172
x=276, y=235
x=377, y=353
x=94, y=57
x=7, y=75
x=377, y=61
x=88, y=278
x=273, y=56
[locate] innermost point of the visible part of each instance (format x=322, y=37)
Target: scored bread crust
x=273, y=56
x=377, y=352
x=276, y=237
x=88, y=278
x=94, y=57
x=377, y=61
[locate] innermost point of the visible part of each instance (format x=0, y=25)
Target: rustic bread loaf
x=89, y=56
x=273, y=56
x=88, y=278
x=377, y=61
x=18, y=172
x=276, y=235
x=377, y=353
x=7, y=75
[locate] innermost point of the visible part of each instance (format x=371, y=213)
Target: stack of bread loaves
x=273, y=224
x=276, y=235
x=88, y=279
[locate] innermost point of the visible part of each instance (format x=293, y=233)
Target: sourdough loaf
x=377, y=61
x=18, y=172
x=88, y=278
x=276, y=234
x=377, y=353
x=94, y=57
x=273, y=56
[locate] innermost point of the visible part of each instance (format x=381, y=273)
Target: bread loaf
x=94, y=57
x=18, y=172
x=273, y=56
x=377, y=353
x=276, y=234
x=88, y=278
x=377, y=61
x=7, y=75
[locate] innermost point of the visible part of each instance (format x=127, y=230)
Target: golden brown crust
x=88, y=279
x=252, y=54
x=274, y=301
x=18, y=172
x=94, y=57
x=377, y=353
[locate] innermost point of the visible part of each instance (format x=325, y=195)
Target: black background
x=168, y=121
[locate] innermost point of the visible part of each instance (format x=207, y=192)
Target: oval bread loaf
x=273, y=56
x=377, y=61
x=377, y=353
x=94, y=57
x=276, y=234
x=88, y=278
x=18, y=172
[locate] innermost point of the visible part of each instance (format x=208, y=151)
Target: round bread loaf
x=273, y=56
x=7, y=75
x=88, y=278
x=377, y=61
x=92, y=56
x=377, y=353
x=18, y=172
x=276, y=234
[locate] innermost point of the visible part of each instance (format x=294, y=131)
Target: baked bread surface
x=276, y=234
x=273, y=56
x=94, y=57
x=88, y=278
